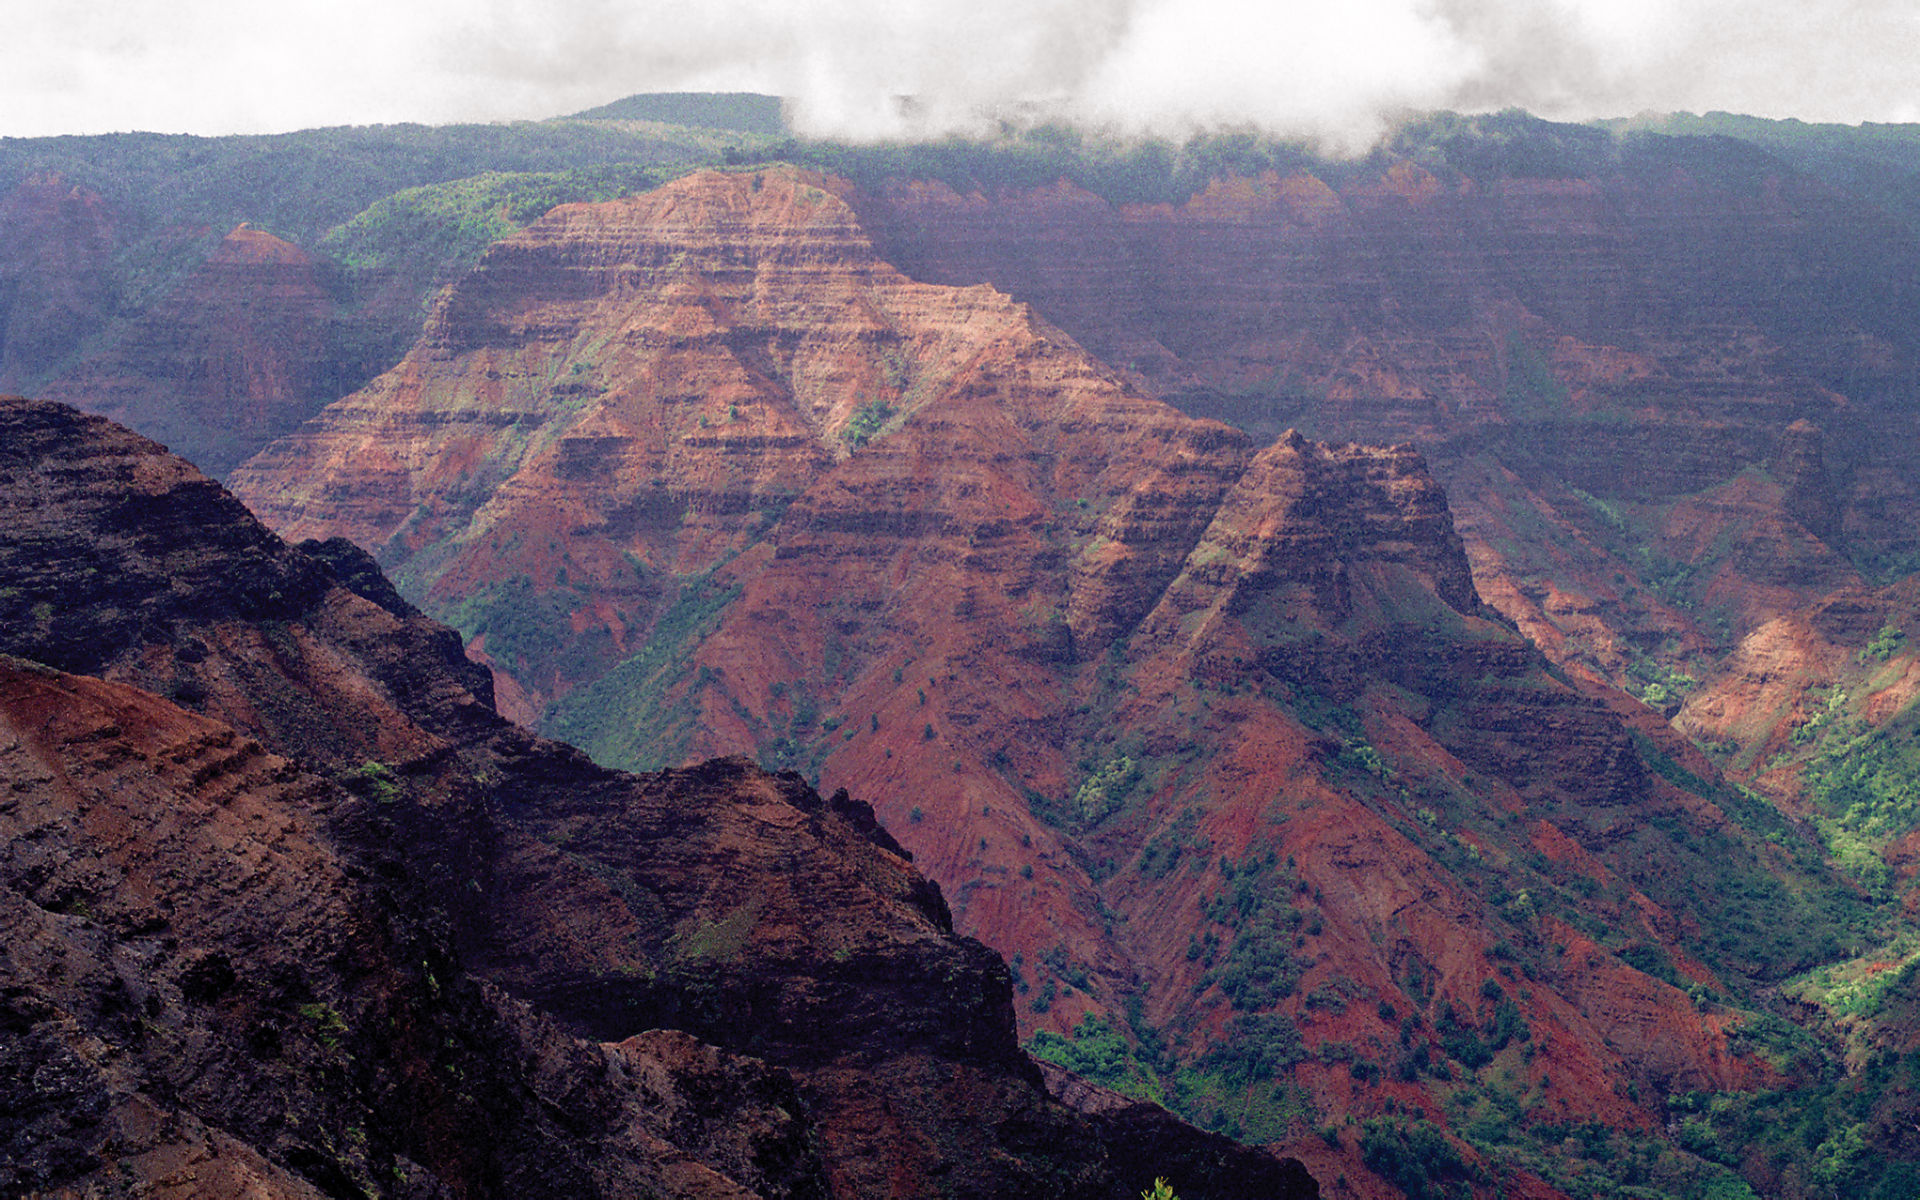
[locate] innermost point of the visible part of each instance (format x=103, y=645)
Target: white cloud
x=1318, y=68
x=225, y=66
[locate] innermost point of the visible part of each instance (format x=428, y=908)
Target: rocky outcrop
x=130, y=564
x=322, y=922
x=1800, y=465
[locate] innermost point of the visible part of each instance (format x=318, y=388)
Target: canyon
x=1217, y=742
x=1379, y=646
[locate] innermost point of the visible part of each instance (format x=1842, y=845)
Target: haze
x=1336, y=71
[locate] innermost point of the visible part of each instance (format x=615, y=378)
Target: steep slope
x=344, y=931
x=1219, y=743
x=127, y=563
x=1818, y=707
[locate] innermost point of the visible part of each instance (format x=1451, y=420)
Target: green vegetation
x=638, y=716
x=1880, y=162
x=1768, y=906
x=1358, y=754
x=1259, y=969
x=1164, y=850
x=1863, y=782
x=1861, y=989
x=1258, y=1047
x=1240, y=1088
x=1533, y=391
x=1100, y=1052
x=718, y=940
x=1818, y=1140
x=1885, y=644
x=524, y=625
x=1416, y=1157
x=866, y=423
x=1509, y=143
x=745, y=112
x=328, y=1025
x=1105, y=790
x=1121, y=170
x=1867, y=784
x=428, y=234
x=374, y=780
x=174, y=196
x=299, y=185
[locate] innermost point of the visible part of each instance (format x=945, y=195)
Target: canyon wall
x=290, y=911
x=1216, y=741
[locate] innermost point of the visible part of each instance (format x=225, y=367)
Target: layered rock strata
x=322, y=923
x=1205, y=733
x=1589, y=347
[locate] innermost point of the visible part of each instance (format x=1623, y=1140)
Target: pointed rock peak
x=249, y=246
x=1799, y=464
x=780, y=195
x=1802, y=430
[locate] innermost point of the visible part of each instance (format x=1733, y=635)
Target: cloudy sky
x=1328, y=67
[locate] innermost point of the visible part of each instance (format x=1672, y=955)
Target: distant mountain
x=1880, y=161
x=744, y=111
x=101, y=234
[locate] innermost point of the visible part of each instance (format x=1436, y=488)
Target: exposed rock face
x=1816, y=669
x=660, y=378
x=1800, y=465
x=323, y=923
x=1216, y=733
x=1585, y=350
x=127, y=563
x=247, y=346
